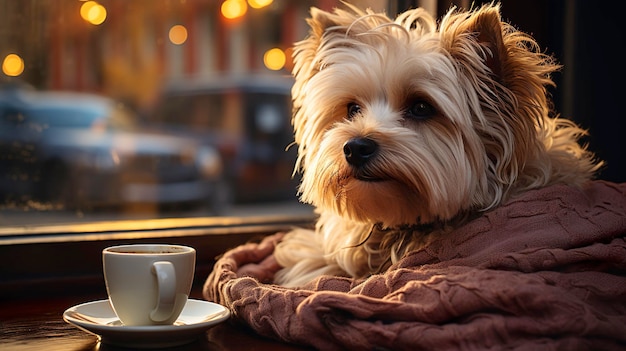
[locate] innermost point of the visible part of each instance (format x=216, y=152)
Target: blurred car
x=82, y=150
x=247, y=119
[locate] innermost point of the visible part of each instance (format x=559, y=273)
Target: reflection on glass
x=232, y=9
x=274, y=59
x=93, y=12
x=178, y=34
x=258, y=4
x=13, y=65
x=148, y=108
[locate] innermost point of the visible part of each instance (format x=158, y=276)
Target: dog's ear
x=510, y=75
x=480, y=33
x=305, y=51
x=320, y=21
x=488, y=26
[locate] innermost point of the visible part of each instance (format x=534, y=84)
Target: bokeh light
x=178, y=34
x=258, y=4
x=84, y=9
x=93, y=12
x=232, y=9
x=12, y=65
x=274, y=59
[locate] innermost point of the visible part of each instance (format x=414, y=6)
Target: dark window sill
x=38, y=261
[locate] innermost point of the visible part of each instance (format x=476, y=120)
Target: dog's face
x=401, y=123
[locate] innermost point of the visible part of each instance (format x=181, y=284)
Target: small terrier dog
x=407, y=130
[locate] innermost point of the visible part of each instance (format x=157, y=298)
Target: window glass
x=115, y=109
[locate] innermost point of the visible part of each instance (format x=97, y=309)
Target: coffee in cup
x=148, y=284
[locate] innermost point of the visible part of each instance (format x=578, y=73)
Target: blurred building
x=126, y=49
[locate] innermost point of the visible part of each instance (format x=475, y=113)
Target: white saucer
x=99, y=318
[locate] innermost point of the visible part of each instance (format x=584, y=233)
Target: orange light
x=258, y=4
x=12, y=65
x=178, y=34
x=85, y=8
x=232, y=9
x=274, y=59
x=93, y=12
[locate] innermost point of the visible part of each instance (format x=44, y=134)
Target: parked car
x=80, y=150
x=247, y=118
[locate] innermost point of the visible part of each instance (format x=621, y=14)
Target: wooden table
x=38, y=325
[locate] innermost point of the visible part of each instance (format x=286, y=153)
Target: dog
x=407, y=129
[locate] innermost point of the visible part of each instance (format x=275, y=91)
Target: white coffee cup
x=148, y=284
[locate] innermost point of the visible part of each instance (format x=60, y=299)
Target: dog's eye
x=353, y=110
x=420, y=109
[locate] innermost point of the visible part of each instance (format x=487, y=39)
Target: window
x=116, y=110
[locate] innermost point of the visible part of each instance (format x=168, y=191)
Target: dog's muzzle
x=359, y=150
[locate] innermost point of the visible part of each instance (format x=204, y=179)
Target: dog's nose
x=358, y=150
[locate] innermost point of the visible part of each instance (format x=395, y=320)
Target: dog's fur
x=406, y=130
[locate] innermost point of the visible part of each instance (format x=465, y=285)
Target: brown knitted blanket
x=546, y=271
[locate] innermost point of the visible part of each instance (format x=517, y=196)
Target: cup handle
x=166, y=285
